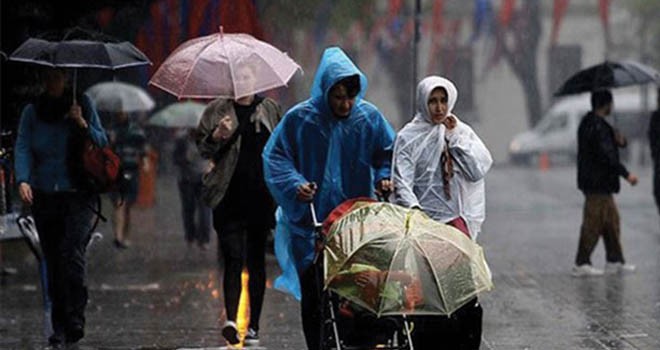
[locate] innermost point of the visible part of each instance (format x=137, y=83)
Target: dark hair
x=600, y=98
x=352, y=85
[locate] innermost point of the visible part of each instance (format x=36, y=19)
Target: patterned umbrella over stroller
x=392, y=260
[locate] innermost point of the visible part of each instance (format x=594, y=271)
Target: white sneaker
x=617, y=267
x=585, y=270
x=230, y=332
x=251, y=338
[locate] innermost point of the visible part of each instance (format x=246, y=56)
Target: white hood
x=417, y=169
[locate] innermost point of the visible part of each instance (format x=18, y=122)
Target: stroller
x=348, y=325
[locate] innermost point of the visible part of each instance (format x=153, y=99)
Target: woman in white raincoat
x=438, y=167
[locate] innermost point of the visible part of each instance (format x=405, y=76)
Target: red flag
x=394, y=8
x=436, y=36
x=156, y=45
x=174, y=24
x=240, y=16
x=557, y=14
x=604, y=9
x=104, y=16
x=506, y=12
x=197, y=15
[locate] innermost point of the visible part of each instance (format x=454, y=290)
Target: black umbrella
x=3, y=55
x=609, y=75
x=79, y=54
x=79, y=48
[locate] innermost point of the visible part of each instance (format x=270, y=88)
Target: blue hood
x=345, y=157
x=335, y=65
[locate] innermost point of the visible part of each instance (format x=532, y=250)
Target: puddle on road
x=129, y=287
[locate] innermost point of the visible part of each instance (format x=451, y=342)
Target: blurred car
x=556, y=132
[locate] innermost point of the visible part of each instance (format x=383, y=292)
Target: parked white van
x=556, y=132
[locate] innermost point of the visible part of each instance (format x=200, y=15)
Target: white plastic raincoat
x=417, y=167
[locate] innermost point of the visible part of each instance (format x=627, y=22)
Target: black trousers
x=196, y=215
x=461, y=331
x=311, y=284
x=63, y=220
x=656, y=184
x=242, y=243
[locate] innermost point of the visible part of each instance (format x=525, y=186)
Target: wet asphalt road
x=159, y=294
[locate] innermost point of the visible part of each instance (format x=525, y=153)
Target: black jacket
x=654, y=137
x=599, y=167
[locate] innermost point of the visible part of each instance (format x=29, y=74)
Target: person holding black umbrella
x=654, y=142
x=48, y=146
x=598, y=173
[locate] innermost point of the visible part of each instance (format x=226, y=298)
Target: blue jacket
x=41, y=148
x=345, y=157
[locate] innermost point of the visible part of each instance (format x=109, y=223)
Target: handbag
x=101, y=166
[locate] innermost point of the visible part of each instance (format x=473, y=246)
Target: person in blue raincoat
x=332, y=147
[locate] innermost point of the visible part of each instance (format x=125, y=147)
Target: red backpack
x=101, y=166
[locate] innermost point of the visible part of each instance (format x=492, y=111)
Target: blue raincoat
x=344, y=157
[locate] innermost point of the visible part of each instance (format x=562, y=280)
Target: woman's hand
x=384, y=188
x=25, y=191
x=75, y=113
x=450, y=122
x=224, y=129
x=368, y=279
x=306, y=192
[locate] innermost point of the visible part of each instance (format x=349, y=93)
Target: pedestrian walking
x=329, y=148
x=48, y=150
x=191, y=166
x=439, y=167
x=598, y=174
x=232, y=135
x=654, y=142
x=128, y=140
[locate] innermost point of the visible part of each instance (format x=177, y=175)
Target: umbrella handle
x=75, y=81
x=318, y=230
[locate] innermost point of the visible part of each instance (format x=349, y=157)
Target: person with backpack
x=47, y=154
x=190, y=167
x=128, y=140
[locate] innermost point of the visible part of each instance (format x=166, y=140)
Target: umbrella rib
x=389, y=268
x=349, y=256
x=185, y=81
x=435, y=274
x=275, y=70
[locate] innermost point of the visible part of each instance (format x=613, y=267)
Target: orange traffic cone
x=544, y=161
x=146, y=197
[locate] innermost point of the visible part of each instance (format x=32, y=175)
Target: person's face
x=437, y=104
x=340, y=103
x=122, y=117
x=246, y=80
x=55, y=81
x=607, y=110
